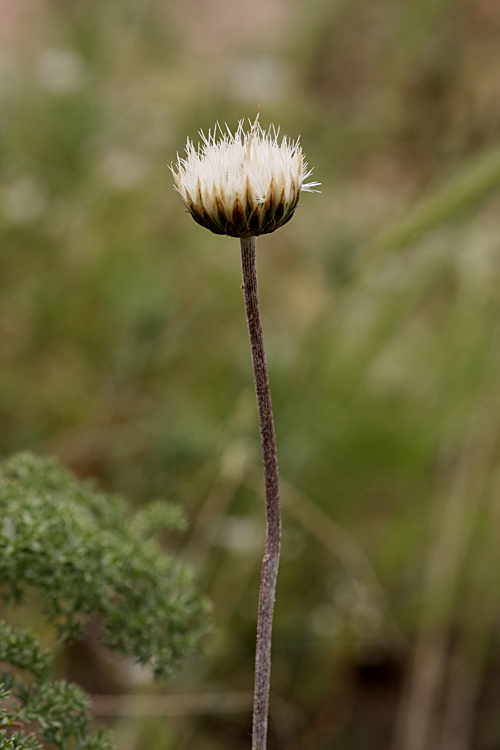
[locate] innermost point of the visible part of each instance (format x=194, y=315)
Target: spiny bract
x=245, y=184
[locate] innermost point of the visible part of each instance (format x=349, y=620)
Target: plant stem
x=273, y=532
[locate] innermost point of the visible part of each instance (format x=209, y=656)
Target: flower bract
x=242, y=185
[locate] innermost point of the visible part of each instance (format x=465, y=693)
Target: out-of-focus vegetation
x=123, y=345
x=55, y=712
x=88, y=561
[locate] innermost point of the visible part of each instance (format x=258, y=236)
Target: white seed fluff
x=227, y=163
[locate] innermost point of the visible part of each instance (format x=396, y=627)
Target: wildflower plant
x=245, y=185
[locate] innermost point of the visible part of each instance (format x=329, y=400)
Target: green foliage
x=59, y=710
x=90, y=558
x=20, y=649
x=17, y=741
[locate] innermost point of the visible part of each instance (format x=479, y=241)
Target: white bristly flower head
x=244, y=184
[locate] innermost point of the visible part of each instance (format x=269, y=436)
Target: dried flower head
x=244, y=184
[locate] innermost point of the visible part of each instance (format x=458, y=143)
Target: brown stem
x=273, y=533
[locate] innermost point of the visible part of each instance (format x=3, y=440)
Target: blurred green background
x=124, y=350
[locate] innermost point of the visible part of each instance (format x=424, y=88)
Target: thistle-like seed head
x=244, y=184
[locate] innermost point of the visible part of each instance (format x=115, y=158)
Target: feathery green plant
x=90, y=558
x=58, y=710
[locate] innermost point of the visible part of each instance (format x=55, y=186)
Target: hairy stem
x=273, y=533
